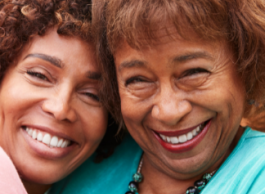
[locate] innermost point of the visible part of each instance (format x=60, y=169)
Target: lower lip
x=188, y=145
x=44, y=151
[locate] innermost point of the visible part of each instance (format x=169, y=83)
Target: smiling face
x=51, y=119
x=182, y=101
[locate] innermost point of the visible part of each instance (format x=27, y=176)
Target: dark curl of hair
x=20, y=20
x=241, y=23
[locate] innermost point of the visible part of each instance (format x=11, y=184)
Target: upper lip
x=50, y=131
x=178, y=132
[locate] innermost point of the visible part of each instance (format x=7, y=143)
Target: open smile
x=46, y=144
x=184, y=140
x=46, y=138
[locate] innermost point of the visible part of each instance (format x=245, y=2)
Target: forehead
x=161, y=36
x=175, y=42
x=69, y=50
x=172, y=53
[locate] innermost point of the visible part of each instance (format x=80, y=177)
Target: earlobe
x=244, y=122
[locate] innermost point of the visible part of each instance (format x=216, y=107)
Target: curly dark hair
x=239, y=22
x=20, y=20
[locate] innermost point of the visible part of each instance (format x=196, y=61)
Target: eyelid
x=194, y=71
x=34, y=73
x=91, y=92
x=48, y=70
x=132, y=79
x=94, y=96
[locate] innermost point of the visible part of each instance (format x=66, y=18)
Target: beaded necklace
x=196, y=189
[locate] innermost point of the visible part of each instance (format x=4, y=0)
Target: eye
x=37, y=75
x=194, y=71
x=134, y=80
x=93, y=96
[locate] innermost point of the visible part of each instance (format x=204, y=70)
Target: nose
x=59, y=106
x=170, y=107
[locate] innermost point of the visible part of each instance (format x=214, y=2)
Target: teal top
x=242, y=172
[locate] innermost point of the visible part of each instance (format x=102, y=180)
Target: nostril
x=59, y=110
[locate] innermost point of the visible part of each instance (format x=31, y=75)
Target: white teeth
x=30, y=131
x=198, y=128
x=60, y=143
x=189, y=136
x=182, y=138
x=54, y=141
x=174, y=140
x=49, y=140
x=194, y=132
x=34, y=134
x=163, y=137
x=168, y=140
x=39, y=137
x=64, y=144
x=46, y=139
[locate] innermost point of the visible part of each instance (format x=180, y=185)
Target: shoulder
x=112, y=175
x=243, y=171
x=9, y=176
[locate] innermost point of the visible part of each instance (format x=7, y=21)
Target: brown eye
x=37, y=75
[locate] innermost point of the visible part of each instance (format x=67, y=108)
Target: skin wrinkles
x=206, y=87
x=192, y=56
x=133, y=63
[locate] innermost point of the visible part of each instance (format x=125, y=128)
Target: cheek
x=131, y=110
x=95, y=125
x=16, y=95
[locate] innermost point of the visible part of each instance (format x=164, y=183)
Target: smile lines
x=182, y=138
x=46, y=138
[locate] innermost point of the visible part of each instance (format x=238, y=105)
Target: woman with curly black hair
x=51, y=118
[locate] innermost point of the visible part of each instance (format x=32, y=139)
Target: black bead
x=133, y=186
x=130, y=192
x=192, y=190
x=200, y=184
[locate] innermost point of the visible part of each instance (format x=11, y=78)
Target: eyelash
x=194, y=71
x=95, y=97
x=186, y=73
x=37, y=75
x=133, y=80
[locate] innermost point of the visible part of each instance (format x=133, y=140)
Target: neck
x=34, y=188
x=156, y=181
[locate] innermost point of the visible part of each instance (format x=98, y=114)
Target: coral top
x=10, y=182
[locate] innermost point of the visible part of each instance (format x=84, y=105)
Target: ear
x=244, y=122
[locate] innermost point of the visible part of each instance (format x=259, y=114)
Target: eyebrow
x=191, y=56
x=94, y=75
x=53, y=60
x=133, y=63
